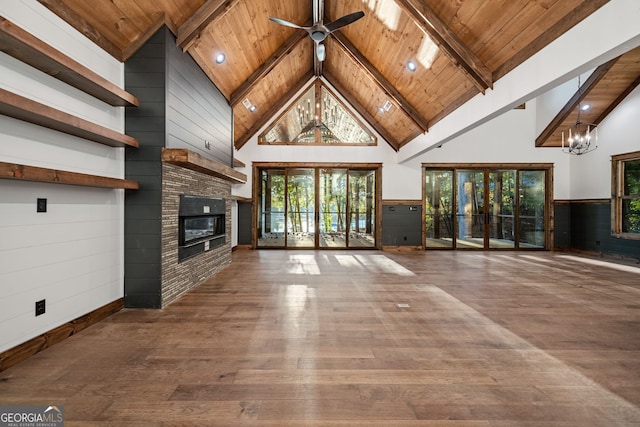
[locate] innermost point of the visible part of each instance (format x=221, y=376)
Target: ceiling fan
x=319, y=31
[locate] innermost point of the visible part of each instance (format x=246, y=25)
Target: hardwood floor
x=321, y=338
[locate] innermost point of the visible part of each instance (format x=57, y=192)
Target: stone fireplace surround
x=179, y=277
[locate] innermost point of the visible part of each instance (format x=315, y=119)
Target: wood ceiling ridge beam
x=575, y=100
x=266, y=67
x=59, y=8
x=210, y=11
x=393, y=142
x=263, y=120
x=434, y=27
x=382, y=81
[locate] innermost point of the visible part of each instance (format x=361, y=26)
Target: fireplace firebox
x=202, y=225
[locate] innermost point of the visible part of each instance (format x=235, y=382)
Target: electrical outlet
x=41, y=205
x=40, y=307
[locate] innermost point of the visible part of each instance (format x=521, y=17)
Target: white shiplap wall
x=72, y=256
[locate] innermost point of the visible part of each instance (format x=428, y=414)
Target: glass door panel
x=439, y=209
x=301, y=202
x=271, y=208
x=502, y=187
x=470, y=212
x=532, y=209
x=333, y=208
x=361, y=205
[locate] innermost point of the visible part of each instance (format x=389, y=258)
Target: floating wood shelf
x=21, y=45
x=194, y=161
x=238, y=163
x=22, y=108
x=53, y=176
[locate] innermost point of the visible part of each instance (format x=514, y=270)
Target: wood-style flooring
x=361, y=338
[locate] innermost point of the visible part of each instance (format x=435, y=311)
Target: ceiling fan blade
x=344, y=21
x=320, y=51
x=286, y=23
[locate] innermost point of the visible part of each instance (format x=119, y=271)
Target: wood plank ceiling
x=460, y=47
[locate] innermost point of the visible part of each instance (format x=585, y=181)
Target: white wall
x=72, y=256
x=509, y=138
x=617, y=134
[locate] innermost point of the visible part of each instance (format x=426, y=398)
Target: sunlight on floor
x=307, y=264
x=598, y=263
x=302, y=264
x=373, y=264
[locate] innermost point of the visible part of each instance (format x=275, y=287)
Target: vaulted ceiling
x=460, y=48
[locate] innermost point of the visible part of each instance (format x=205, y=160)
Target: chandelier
x=582, y=137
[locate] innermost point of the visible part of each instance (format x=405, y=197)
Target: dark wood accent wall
x=198, y=116
x=586, y=226
x=179, y=108
x=145, y=77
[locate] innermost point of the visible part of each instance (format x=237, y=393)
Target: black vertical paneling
x=402, y=225
x=244, y=223
x=198, y=115
x=145, y=78
x=590, y=230
x=562, y=226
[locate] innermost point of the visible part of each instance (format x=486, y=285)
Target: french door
x=498, y=207
x=317, y=207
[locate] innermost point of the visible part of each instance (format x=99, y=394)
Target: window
x=318, y=118
x=625, y=204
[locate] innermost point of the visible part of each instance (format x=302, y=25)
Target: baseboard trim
x=242, y=247
x=402, y=248
x=17, y=354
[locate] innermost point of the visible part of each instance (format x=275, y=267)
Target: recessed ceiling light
x=220, y=58
x=381, y=110
x=252, y=108
x=411, y=66
x=585, y=107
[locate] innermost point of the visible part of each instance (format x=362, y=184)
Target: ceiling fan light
x=321, y=52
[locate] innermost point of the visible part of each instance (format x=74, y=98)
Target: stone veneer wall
x=178, y=278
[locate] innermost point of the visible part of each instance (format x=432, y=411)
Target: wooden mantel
x=25, y=47
x=194, y=161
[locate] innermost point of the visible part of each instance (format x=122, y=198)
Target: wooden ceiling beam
x=271, y=112
x=368, y=68
x=205, y=15
x=575, y=100
x=67, y=14
x=449, y=42
x=241, y=92
x=393, y=142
